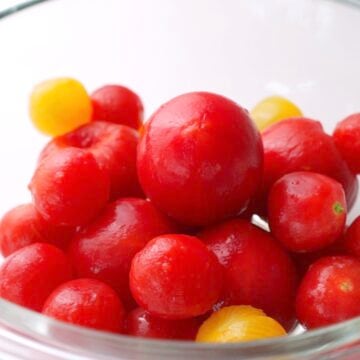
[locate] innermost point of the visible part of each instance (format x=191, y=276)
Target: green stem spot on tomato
x=338, y=208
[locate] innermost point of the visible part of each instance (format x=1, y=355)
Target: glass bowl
x=306, y=50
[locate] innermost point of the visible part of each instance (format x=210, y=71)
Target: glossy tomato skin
x=176, y=277
x=307, y=211
x=347, y=140
x=141, y=323
x=23, y=225
x=114, y=148
x=29, y=275
x=254, y=263
x=352, y=238
x=329, y=292
x=300, y=144
x=69, y=188
x=117, y=104
x=200, y=158
x=86, y=302
x=105, y=248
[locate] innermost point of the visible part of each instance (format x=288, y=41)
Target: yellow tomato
x=60, y=105
x=237, y=324
x=273, y=109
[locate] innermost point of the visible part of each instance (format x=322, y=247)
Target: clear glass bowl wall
x=306, y=50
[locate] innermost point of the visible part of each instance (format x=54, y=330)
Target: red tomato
x=86, y=302
x=200, y=158
x=253, y=263
x=29, y=275
x=307, y=211
x=176, y=277
x=329, y=292
x=352, y=238
x=117, y=104
x=141, y=323
x=114, y=148
x=105, y=248
x=23, y=225
x=69, y=188
x=347, y=140
x=300, y=144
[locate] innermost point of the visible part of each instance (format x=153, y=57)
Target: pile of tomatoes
x=148, y=229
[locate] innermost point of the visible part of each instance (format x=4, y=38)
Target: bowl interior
x=305, y=50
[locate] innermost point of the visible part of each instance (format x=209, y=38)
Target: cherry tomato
x=29, y=275
x=86, y=302
x=329, y=292
x=69, y=188
x=272, y=110
x=176, y=277
x=59, y=105
x=307, y=211
x=347, y=140
x=200, y=158
x=117, y=104
x=253, y=263
x=23, y=225
x=237, y=324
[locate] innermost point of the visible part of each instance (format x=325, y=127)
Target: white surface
x=245, y=49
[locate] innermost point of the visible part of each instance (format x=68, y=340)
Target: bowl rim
x=18, y=5
x=50, y=332
x=41, y=329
